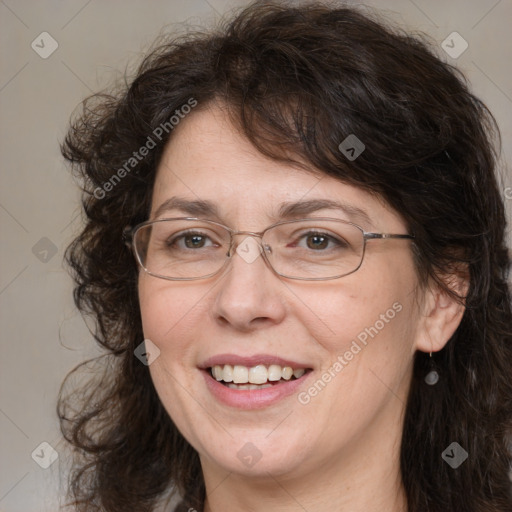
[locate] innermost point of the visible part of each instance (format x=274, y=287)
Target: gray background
x=43, y=336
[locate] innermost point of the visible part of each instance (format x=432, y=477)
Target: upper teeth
x=255, y=375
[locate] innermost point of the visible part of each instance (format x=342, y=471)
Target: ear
x=441, y=313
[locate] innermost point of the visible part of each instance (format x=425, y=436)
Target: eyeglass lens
x=306, y=249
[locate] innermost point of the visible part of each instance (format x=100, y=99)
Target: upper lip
x=250, y=361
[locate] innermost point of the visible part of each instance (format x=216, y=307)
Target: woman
x=294, y=253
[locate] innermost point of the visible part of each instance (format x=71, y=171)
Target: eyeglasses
x=312, y=249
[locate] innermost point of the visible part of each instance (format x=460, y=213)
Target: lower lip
x=252, y=398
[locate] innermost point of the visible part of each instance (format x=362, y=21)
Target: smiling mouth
x=255, y=377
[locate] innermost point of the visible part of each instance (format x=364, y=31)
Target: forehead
x=208, y=160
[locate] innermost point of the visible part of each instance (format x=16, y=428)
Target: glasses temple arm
x=369, y=236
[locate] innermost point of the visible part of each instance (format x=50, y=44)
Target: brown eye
x=317, y=241
x=320, y=242
x=194, y=241
x=190, y=240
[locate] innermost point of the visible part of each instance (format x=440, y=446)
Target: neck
x=364, y=478
x=314, y=494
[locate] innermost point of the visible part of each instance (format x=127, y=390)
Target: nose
x=249, y=294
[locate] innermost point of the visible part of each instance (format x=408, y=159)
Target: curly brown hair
x=297, y=81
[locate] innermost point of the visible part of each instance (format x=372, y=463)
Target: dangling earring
x=432, y=377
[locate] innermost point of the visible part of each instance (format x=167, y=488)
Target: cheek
x=366, y=358
x=167, y=309
x=169, y=313
x=370, y=309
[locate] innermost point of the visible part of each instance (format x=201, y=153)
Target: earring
x=432, y=377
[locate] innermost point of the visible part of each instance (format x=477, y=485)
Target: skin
x=340, y=450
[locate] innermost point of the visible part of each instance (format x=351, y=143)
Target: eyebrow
x=287, y=210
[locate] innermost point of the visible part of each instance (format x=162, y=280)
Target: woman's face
x=355, y=336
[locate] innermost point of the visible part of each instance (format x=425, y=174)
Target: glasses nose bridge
x=233, y=233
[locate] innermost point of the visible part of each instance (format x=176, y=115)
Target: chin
x=258, y=454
